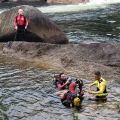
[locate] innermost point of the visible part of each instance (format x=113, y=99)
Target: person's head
x=79, y=83
x=97, y=75
x=62, y=76
x=20, y=12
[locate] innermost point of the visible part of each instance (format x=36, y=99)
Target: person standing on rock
x=20, y=25
x=101, y=86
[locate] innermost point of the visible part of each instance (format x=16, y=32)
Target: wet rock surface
x=40, y=29
x=78, y=59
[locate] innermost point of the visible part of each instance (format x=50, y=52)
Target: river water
x=92, y=22
x=27, y=93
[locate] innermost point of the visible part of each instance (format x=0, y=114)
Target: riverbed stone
x=40, y=29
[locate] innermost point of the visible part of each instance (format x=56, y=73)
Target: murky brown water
x=102, y=110
x=27, y=93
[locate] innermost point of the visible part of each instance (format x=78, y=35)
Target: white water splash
x=105, y=1
x=2, y=11
x=93, y=4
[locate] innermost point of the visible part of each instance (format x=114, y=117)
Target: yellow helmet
x=76, y=102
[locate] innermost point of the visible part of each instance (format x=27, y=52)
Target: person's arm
x=102, y=88
x=61, y=86
x=26, y=24
x=94, y=83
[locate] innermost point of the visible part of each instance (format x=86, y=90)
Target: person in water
x=62, y=82
x=101, y=86
x=20, y=25
x=73, y=97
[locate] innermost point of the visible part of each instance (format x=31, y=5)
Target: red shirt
x=72, y=87
x=21, y=20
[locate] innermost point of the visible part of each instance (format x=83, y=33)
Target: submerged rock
x=78, y=59
x=40, y=29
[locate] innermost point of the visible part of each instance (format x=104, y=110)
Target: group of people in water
x=71, y=92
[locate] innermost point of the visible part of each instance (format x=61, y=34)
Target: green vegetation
x=3, y=108
x=118, y=107
x=74, y=116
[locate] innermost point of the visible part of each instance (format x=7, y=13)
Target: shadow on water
x=28, y=94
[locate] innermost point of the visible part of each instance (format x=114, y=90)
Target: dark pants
x=20, y=35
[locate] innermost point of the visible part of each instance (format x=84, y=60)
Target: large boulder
x=78, y=59
x=40, y=29
x=22, y=0
x=27, y=0
x=66, y=1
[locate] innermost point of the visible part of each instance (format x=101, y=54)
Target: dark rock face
x=27, y=0
x=4, y=1
x=107, y=54
x=22, y=0
x=13, y=3
x=40, y=29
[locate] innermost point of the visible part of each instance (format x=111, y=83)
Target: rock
x=4, y=1
x=27, y=0
x=40, y=29
x=77, y=59
x=66, y=1
x=13, y=3
x=23, y=0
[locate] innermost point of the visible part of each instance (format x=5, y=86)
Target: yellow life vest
x=101, y=86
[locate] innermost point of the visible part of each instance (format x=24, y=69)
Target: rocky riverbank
x=79, y=60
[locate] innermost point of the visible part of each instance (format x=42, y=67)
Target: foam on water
x=93, y=4
x=1, y=11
